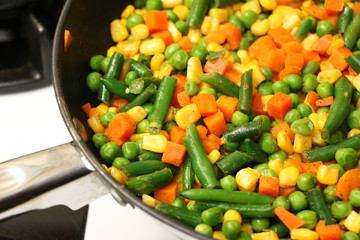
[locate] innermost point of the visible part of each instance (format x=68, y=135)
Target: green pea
x=244, y=43
x=346, y=157
x=204, y=228
x=212, y=216
x=325, y=89
x=169, y=125
x=179, y=59
x=171, y=16
x=104, y=64
x=130, y=150
x=191, y=87
x=265, y=88
x=267, y=73
x=294, y=81
x=244, y=236
x=298, y=201
x=349, y=236
x=280, y=86
x=230, y=146
x=119, y=162
x=171, y=49
x=268, y=172
x=323, y=109
x=200, y=52
x=106, y=118
x=236, y=20
x=329, y=194
x=266, y=123
x=153, y=5
x=324, y=27
x=306, y=181
x=353, y=120
x=142, y=126
x=278, y=155
x=191, y=205
x=309, y=217
x=248, y=18
x=109, y=151
x=99, y=139
x=268, y=143
x=133, y=20
x=304, y=110
x=341, y=169
x=178, y=202
x=261, y=166
x=228, y=183
x=355, y=197
x=209, y=91
x=295, y=99
x=239, y=118
x=182, y=27
x=309, y=83
x=259, y=224
x=148, y=107
x=291, y=116
x=340, y=209
x=302, y=126
x=93, y=81
x=231, y=229
x=282, y=201
x=130, y=76
x=95, y=62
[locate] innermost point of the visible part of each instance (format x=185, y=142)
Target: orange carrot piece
x=166, y=194
x=211, y=142
x=310, y=56
x=288, y=70
x=356, y=8
x=165, y=36
x=262, y=44
x=156, y=20
x=233, y=35
x=86, y=108
x=257, y=104
x=286, y=191
x=216, y=123
x=181, y=80
x=323, y=44
x=205, y=103
x=311, y=99
x=269, y=186
x=328, y=232
x=316, y=12
x=186, y=44
x=220, y=66
x=174, y=153
x=118, y=102
x=337, y=58
x=324, y=102
x=67, y=39
x=216, y=36
x=348, y=181
x=311, y=167
x=183, y=98
x=279, y=105
x=281, y=36
x=202, y=130
x=294, y=163
x=234, y=75
x=333, y=19
x=294, y=60
x=176, y=134
x=289, y=219
x=333, y=6
x=282, y=126
x=94, y=112
x=120, y=128
x=289, y=47
x=227, y=106
x=352, y=71
x=273, y=59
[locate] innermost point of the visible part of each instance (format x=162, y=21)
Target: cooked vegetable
x=318, y=204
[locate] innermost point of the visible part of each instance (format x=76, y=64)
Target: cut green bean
x=221, y=84
x=141, y=69
x=188, y=174
x=352, y=32
x=303, y=30
x=140, y=84
x=254, y=150
x=197, y=13
x=118, y=88
x=249, y=129
x=318, y=204
x=142, y=98
x=233, y=162
x=245, y=92
x=145, y=167
x=345, y=18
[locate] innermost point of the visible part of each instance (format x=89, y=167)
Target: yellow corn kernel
x=264, y=100
x=154, y=143
x=111, y=51
x=181, y=11
x=127, y=11
x=113, y=109
x=149, y=200
x=165, y=71
x=356, y=82
x=236, y=6
x=288, y=176
x=309, y=41
x=129, y=48
x=219, y=235
x=95, y=125
x=228, y=9
x=118, y=175
x=137, y=113
x=253, y=5
x=218, y=13
x=137, y=136
x=268, y=4
x=326, y=175
x=284, y=142
x=156, y=61
x=257, y=75
x=214, y=156
x=231, y=214
x=105, y=167
x=118, y=31
x=246, y=179
x=275, y=21
x=194, y=34
x=139, y=11
x=276, y=165
x=304, y=234
x=352, y=222
x=194, y=69
x=215, y=25
x=317, y=139
x=140, y=32
x=335, y=44
x=166, y=4
x=244, y=56
x=125, y=69
x=187, y=115
x=353, y=132
x=170, y=114
x=215, y=47
x=318, y=119
x=291, y=22
x=239, y=67
x=260, y=27
x=325, y=65
x=204, y=85
x=176, y=34
x=206, y=25
x=322, y=119
x=307, y=3
x=165, y=134
x=271, y=235
x=330, y=76
x=295, y=156
x=153, y=46
x=302, y=143
x=102, y=108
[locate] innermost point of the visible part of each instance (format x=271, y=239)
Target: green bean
x=354, y=62
x=249, y=129
x=304, y=28
x=352, y=32
x=138, y=85
x=197, y=12
x=145, y=167
x=233, y=162
x=245, y=92
x=318, y=204
x=280, y=229
x=345, y=18
x=221, y=3
x=254, y=150
x=149, y=156
x=118, y=88
x=188, y=174
x=311, y=67
x=221, y=84
x=141, y=98
x=141, y=69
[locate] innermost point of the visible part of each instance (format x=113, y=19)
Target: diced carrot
x=273, y=59
x=352, y=71
x=322, y=44
x=333, y=19
x=294, y=60
x=205, y=103
x=186, y=44
x=227, y=106
x=174, y=153
x=211, y=142
x=316, y=12
x=176, y=134
x=262, y=44
x=67, y=39
x=286, y=191
x=333, y=6
x=220, y=65
x=294, y=163
x=311, y=167
x=289, y=47
x=216, y=123
x=181, y=80
x=156, y=20
x=269, y=186
x=288, y=70
x=310, y=56
x=325, y=102
x=183, y=98
x=311, y=99
x=330, y=162
x=290, y=3
x=257, y=104
x=120, y=128
x=356, y=8
x=233, y=35
x=337, y=58
x=216, y=36
x=328, y=232
x=86, y=108
x=118, y=102
x=166, y=194
x=281, y=36
x=234, y=75
x=348, y=181
x=94, y=112
x=282, y=126
x=289, y=219
x=279, y=105
x=164, y=35
x=202, y=130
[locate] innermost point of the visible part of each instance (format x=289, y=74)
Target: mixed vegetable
x=239, y=119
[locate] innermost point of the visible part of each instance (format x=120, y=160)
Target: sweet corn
x=170, y=114
x=246, y=179
x=252, y=5
x=288, y=176
x=111, y=51
x=352, y=222
x=137, y=136
x=118, y=175
x=152, y=46
x=335, y=44
x=276, y=165
x=356, y=82
x=326, y=175
x=304, y=234
x=231, y=214
x=137, y=113
x=260, y=27
x=268, y=4
x=194, y=34
x=204, y=85
x=128, y=11
x=165, y=134
x=330, y=76
x=218, y=13
x=129, y=48
x=165, y=71
x=318, y=119
x=102, y=108
x=317, y=139
x=154, y=143
x=118, y=30
x=194, y=69
x=236, y=6
x=215, y=25
x=166, y=4
x=302, y=143
x=229, y=10
x=309, y=41
x=284, y=142
x=295, y=156
x=95, y=125
x=219, y=235
x=149, y=200
x=113, y=109
x=275, y=21
x=139, y=11
x=156, y=61
x=176, y=34
x=307, y=3
x=257, y=75
x=206, y=25
x=244, y=56
x=291, y=22
x=353, y=132
x=264, y=100
x=271, y=235
x=214, y=156
x=124, y=71
x=325, y=65
x=187, y=115
x=215, y=47
x=140, y=32
x=181, y=11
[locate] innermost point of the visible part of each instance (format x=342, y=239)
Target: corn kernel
x=302, y=143
x=284, y=142
x=317, y=139
x=156, y=61
x=206, y=25
x=149, y=200
x=140, y=32
x=176, y=34
x=219, y=235
x=215, y=25
x=139, y=11
x=231, y=214
x=111, y=51
x=118, y=31
x=204, y=85
x=268, y=4
x=291, y=22
x=257, y=75
x=326, y=175
x=165, y=134
x=295, y=156
x=352, y=222
x=307, y=3
x=187, y=115
x=275, y=21
x=166, y=4
x=194, y=34
x=124, y=71
x=276, y=165
x=129, y=48
x=244, y=56
x=102, y=108
x=154, y=143
x=181, y=11
x=271, y=235
x=351, y=78
x=260, y=27
x=137, y=136
x=288, y=176
x=353, y=132
x=113, y=109
x=215, y=47
x=304, y=234
x=309, y=41
x=335, y=44
x=127, y=11
x=95, y=125
x=214, y=156
x=170, y=114
x=246, y=179
x=194, y=69
x=153, y=46
x=137, y=113
x=229, y=10
x=118, y=175
x=252, y=5
x=236, y=6
x=218, y=13
x=356, y=82
x=165, y=71
x=330, y=76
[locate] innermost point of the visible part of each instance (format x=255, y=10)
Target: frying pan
x=71, y=174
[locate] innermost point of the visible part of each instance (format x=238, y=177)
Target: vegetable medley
x=239, y=119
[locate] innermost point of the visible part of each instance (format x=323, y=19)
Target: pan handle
x=55, y=176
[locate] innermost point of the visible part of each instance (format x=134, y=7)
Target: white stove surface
x=30, y=121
